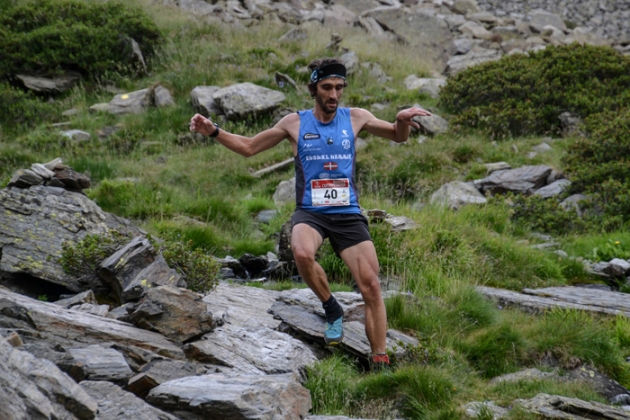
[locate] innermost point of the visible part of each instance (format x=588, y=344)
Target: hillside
x=188, y=190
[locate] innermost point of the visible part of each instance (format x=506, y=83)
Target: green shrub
x=81, y=259
x=525, y=93
x=19, y=108
x=198, y=268
x=545, y=215
x=599, y=166
x=91, y=38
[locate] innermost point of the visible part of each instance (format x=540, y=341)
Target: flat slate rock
x=96, y=363
x=159, y=371
x=243, y=306
x=254, y=351
x=52, y=320
x=559, y=407
x=33, y=388
x=308, y=322
x=538, y=300
x=255, y=397
x=115, y=403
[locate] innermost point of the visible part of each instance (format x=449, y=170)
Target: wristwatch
x=216, y=132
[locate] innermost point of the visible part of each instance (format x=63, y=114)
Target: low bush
x=198, y=268
x=81, y=259
x=599, y=165
x=525, y=93
x=19, y=108
x=91, y=38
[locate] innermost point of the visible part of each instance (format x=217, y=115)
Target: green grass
x=205, y=195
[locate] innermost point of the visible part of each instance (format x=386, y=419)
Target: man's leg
x=305, y=241
x=363, y=264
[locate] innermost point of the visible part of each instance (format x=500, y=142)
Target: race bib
x=330, y=192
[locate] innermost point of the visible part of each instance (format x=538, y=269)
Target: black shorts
x=343, y=230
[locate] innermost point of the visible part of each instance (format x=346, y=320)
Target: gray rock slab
x=32, y=388
x=96, y=363
x=57, y=84
x=270, y=397
x=309, y=324
x=162, y=97
x=78, y=299
x=496, y=166
x=522, y=180
x=431, y=125
x=253, y=351
x=459, y=63
x=49, y=319
x=559, y=407
x=540, y=300
x=457, y=194
x=333, y=418
x=429, y=86
x=35, y=222
x=202, y=101
x=540, y=18
x=77, y=135
x=243, y=100
x=131, y=103
x=159, y=371
x=474, y=409
x=285, y=192
x=475, y=30
x=115, y=404
x=243, y=306
x=554, y=189
x=526, y=374
x=176, y=313
x=602, y=384
x=271, y=168
x=424, y=33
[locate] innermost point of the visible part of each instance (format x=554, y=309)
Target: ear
x=312, y=89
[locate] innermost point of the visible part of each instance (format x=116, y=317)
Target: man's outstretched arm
x=245, y=146
x=397, y=131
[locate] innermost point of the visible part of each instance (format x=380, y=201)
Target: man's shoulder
x=360, y=115
x=289, y=119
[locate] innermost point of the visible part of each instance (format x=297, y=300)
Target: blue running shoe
x=333, y=333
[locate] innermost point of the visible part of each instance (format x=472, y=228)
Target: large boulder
x=115, y=404
x=243, y=100
x=423, y=32
x=176, y=313
x=457, y=194
x=203, y=102
x=35, y=222
x=134, y=268
x=240, y=349
x=523, y=180
x=32, y=388
x=272, y=397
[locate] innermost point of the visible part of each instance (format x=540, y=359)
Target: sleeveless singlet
x=325, y=165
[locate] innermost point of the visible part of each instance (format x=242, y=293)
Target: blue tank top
x=325, y=165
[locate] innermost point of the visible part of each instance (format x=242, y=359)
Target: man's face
x=329, y=93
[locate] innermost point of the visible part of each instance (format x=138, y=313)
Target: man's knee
x=303, y=257
x=370, y=289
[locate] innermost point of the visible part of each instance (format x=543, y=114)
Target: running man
x=323, y=141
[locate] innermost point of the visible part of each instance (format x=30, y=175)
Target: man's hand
x=201, y=125
x=405, y=116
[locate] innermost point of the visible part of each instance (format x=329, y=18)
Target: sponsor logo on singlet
x=311, y=136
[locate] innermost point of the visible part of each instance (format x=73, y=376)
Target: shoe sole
x=334, y=342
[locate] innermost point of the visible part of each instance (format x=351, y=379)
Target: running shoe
x=333, y=333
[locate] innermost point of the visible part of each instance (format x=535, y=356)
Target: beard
x=328, y=107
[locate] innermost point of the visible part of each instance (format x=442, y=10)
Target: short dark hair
x=314, y=65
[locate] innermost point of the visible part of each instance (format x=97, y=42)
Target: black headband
x=328, y=70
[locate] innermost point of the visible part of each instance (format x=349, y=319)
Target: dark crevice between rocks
x=32, y=287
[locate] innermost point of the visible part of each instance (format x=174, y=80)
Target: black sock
x=333, y=309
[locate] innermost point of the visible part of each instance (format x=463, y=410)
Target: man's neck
x=323, y=117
